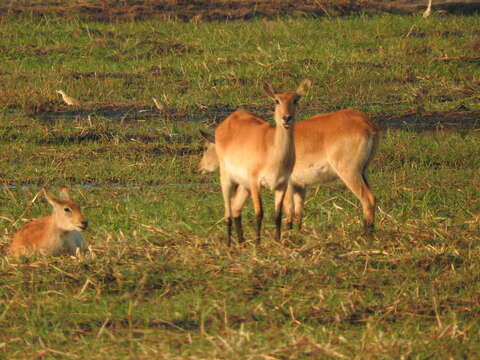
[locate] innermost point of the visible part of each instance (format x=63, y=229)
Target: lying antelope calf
x=55, y=234
x=327, y=146
x=252, y=153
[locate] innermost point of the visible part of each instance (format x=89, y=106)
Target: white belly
x=268, y=179
x=313, y=174
x=238, y=175
x=273, y=182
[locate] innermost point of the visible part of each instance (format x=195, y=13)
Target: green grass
x=161, y=283
x=386, y=64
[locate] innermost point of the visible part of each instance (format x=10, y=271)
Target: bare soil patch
x=431, y=120
x=219, y=10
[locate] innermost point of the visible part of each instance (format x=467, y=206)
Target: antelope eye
x=295, y=101
x=277, y=101
x=67, y=210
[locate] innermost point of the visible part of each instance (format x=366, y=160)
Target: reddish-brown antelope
x=55, y=234
x=327, y=147
x=252, y=153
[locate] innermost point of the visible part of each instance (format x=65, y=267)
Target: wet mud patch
x=115, y=112
x=133, y=112
x=462, y=118
x=430, y=121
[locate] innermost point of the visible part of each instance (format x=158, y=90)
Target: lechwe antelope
x=55, y=234
x=252, y=153
x=327, y=147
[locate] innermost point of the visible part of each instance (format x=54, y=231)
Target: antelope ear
x=50, y=197
x=209, y=137
x=64, y=195
x=268, y=88
x=304, y=86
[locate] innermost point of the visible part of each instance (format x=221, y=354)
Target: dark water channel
x=414, y=121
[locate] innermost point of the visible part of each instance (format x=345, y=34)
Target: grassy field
x=385, y=64
x=161, y=283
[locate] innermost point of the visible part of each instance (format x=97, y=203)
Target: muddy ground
x=415, y=120
x=220, y=10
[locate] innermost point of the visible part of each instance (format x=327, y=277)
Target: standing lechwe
x=252, y=153
x=55, y=234
x=327, y=146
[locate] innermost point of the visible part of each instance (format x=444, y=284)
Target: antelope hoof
x=368, y=228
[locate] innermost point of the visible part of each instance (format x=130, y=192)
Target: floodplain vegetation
x=160, y=282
